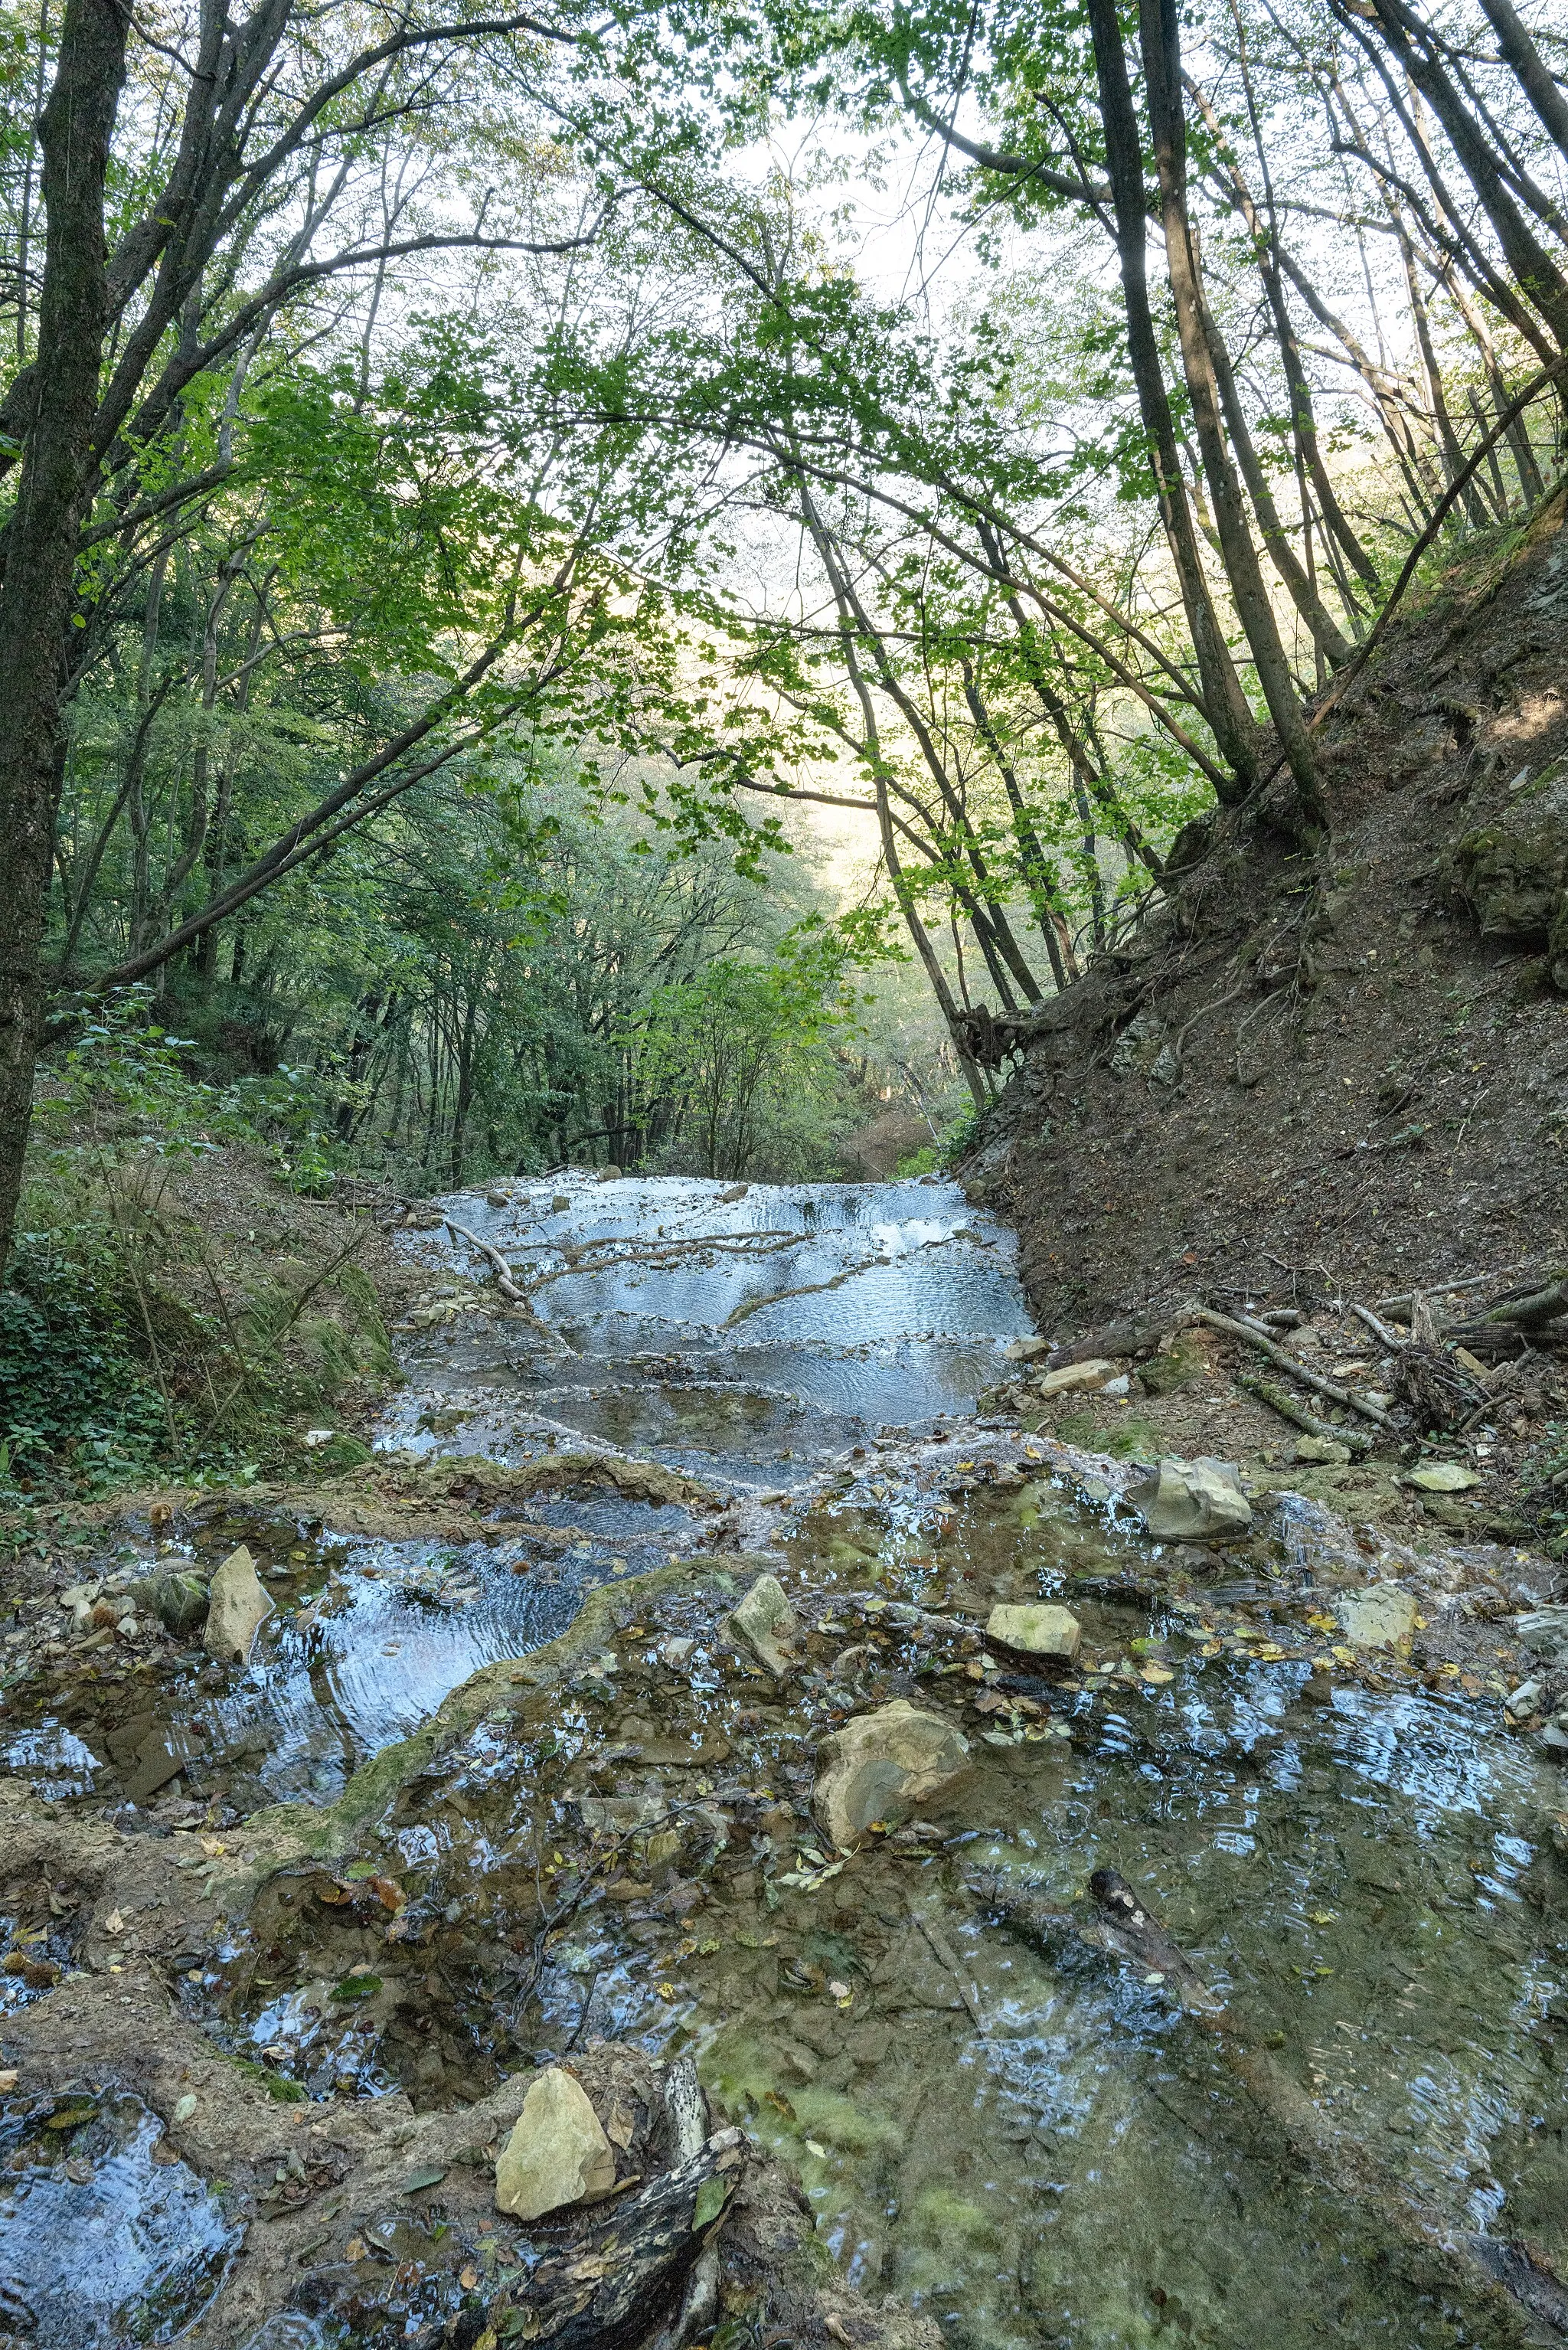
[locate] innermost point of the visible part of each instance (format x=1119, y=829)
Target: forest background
x=611, y=586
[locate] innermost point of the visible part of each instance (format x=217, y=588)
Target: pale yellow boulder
x=1037, y=1631
x=238, y=1606
x=557, y=2152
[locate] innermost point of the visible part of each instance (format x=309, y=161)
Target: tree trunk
x=1225, y=705
x=1162, y=77
x=1525, y=58
x=41, y=538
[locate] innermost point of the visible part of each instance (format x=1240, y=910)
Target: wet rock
x=1038, y=1631
x=1076, y=1378
x=180, y=1599
x=1443, y=1477
x=556, y=2154
x=236, y=1608
x=621, y=1814
x=881, y=1765
x=1522, y=1702
x=1544, y=1631
x=766, y=1623
x=1191, y=1500
x=1378, y=1617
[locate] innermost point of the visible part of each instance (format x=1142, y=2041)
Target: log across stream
x=1307, y=2088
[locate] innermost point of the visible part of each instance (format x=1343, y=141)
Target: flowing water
x=1039, y=2150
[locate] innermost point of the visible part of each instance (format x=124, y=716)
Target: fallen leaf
x=114, y=1923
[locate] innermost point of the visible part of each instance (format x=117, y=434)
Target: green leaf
x=712, y=2197
x=357, y=1987
x=428, y=2173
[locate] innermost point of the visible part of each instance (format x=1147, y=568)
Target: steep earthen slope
x=1321, y=1070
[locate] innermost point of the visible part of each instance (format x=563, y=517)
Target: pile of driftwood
x=1451, y=1369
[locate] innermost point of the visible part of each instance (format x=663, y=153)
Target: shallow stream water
x=1039, y=2150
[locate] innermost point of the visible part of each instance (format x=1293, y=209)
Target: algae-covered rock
x=1378, y=1617
x=1512, y=874
x=1191, y=1500
x=180, y=1599
x=880, y=1765
x=1038, y=1631
x=557, y=2152
x=765, y=1622
x=236, y=1608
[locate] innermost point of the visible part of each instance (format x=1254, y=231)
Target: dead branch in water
x=1504, y=2277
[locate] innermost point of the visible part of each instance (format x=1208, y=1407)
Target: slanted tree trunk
x=1162, y=78
x=1225, y=705
x=40, y=540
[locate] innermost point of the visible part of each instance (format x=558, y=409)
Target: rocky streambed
x=712, y=1840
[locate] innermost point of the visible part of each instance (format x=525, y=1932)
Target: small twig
x=1298, y=1370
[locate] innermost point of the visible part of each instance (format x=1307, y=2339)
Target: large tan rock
x=556, y=2154
x=766, y=1623
x=238, y=1606
x=1191, y=1500
x=1037, y=1631
x=1077, y=1379
x=1381, y=1616
x=880, y=1765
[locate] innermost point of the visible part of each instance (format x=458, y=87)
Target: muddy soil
x=1319, y=1071
x=502, y=1787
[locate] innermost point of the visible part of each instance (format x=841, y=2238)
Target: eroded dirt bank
x=1322, y=1073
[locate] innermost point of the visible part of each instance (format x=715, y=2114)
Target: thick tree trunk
x=41, y=538
x=1528, y=63
x=1162, y=77
x=1225, y=705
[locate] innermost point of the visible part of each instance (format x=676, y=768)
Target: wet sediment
x=332, y=1992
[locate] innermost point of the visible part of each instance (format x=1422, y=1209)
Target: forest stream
x=1001, y=2118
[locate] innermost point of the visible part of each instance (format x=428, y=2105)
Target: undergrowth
x=131, y=1347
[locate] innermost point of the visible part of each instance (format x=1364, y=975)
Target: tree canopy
x=479, y=481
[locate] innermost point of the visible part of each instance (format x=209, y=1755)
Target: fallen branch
x=507, y=1287
x=1288, y=1408
x=1298, y=1370
x=1380, y=1330
x=1502, y=2276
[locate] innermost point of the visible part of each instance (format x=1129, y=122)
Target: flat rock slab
x=1074, y=1378
x=1378, y=1617
x=880, y=1765
x=238, y=1606
x=557, y=2152
x=1191, y=1500
x=766, y=1623
x=1036, y=1631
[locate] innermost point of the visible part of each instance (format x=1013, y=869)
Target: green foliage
x=74, y=1386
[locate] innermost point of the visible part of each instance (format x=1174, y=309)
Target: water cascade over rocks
x=708, y=1839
